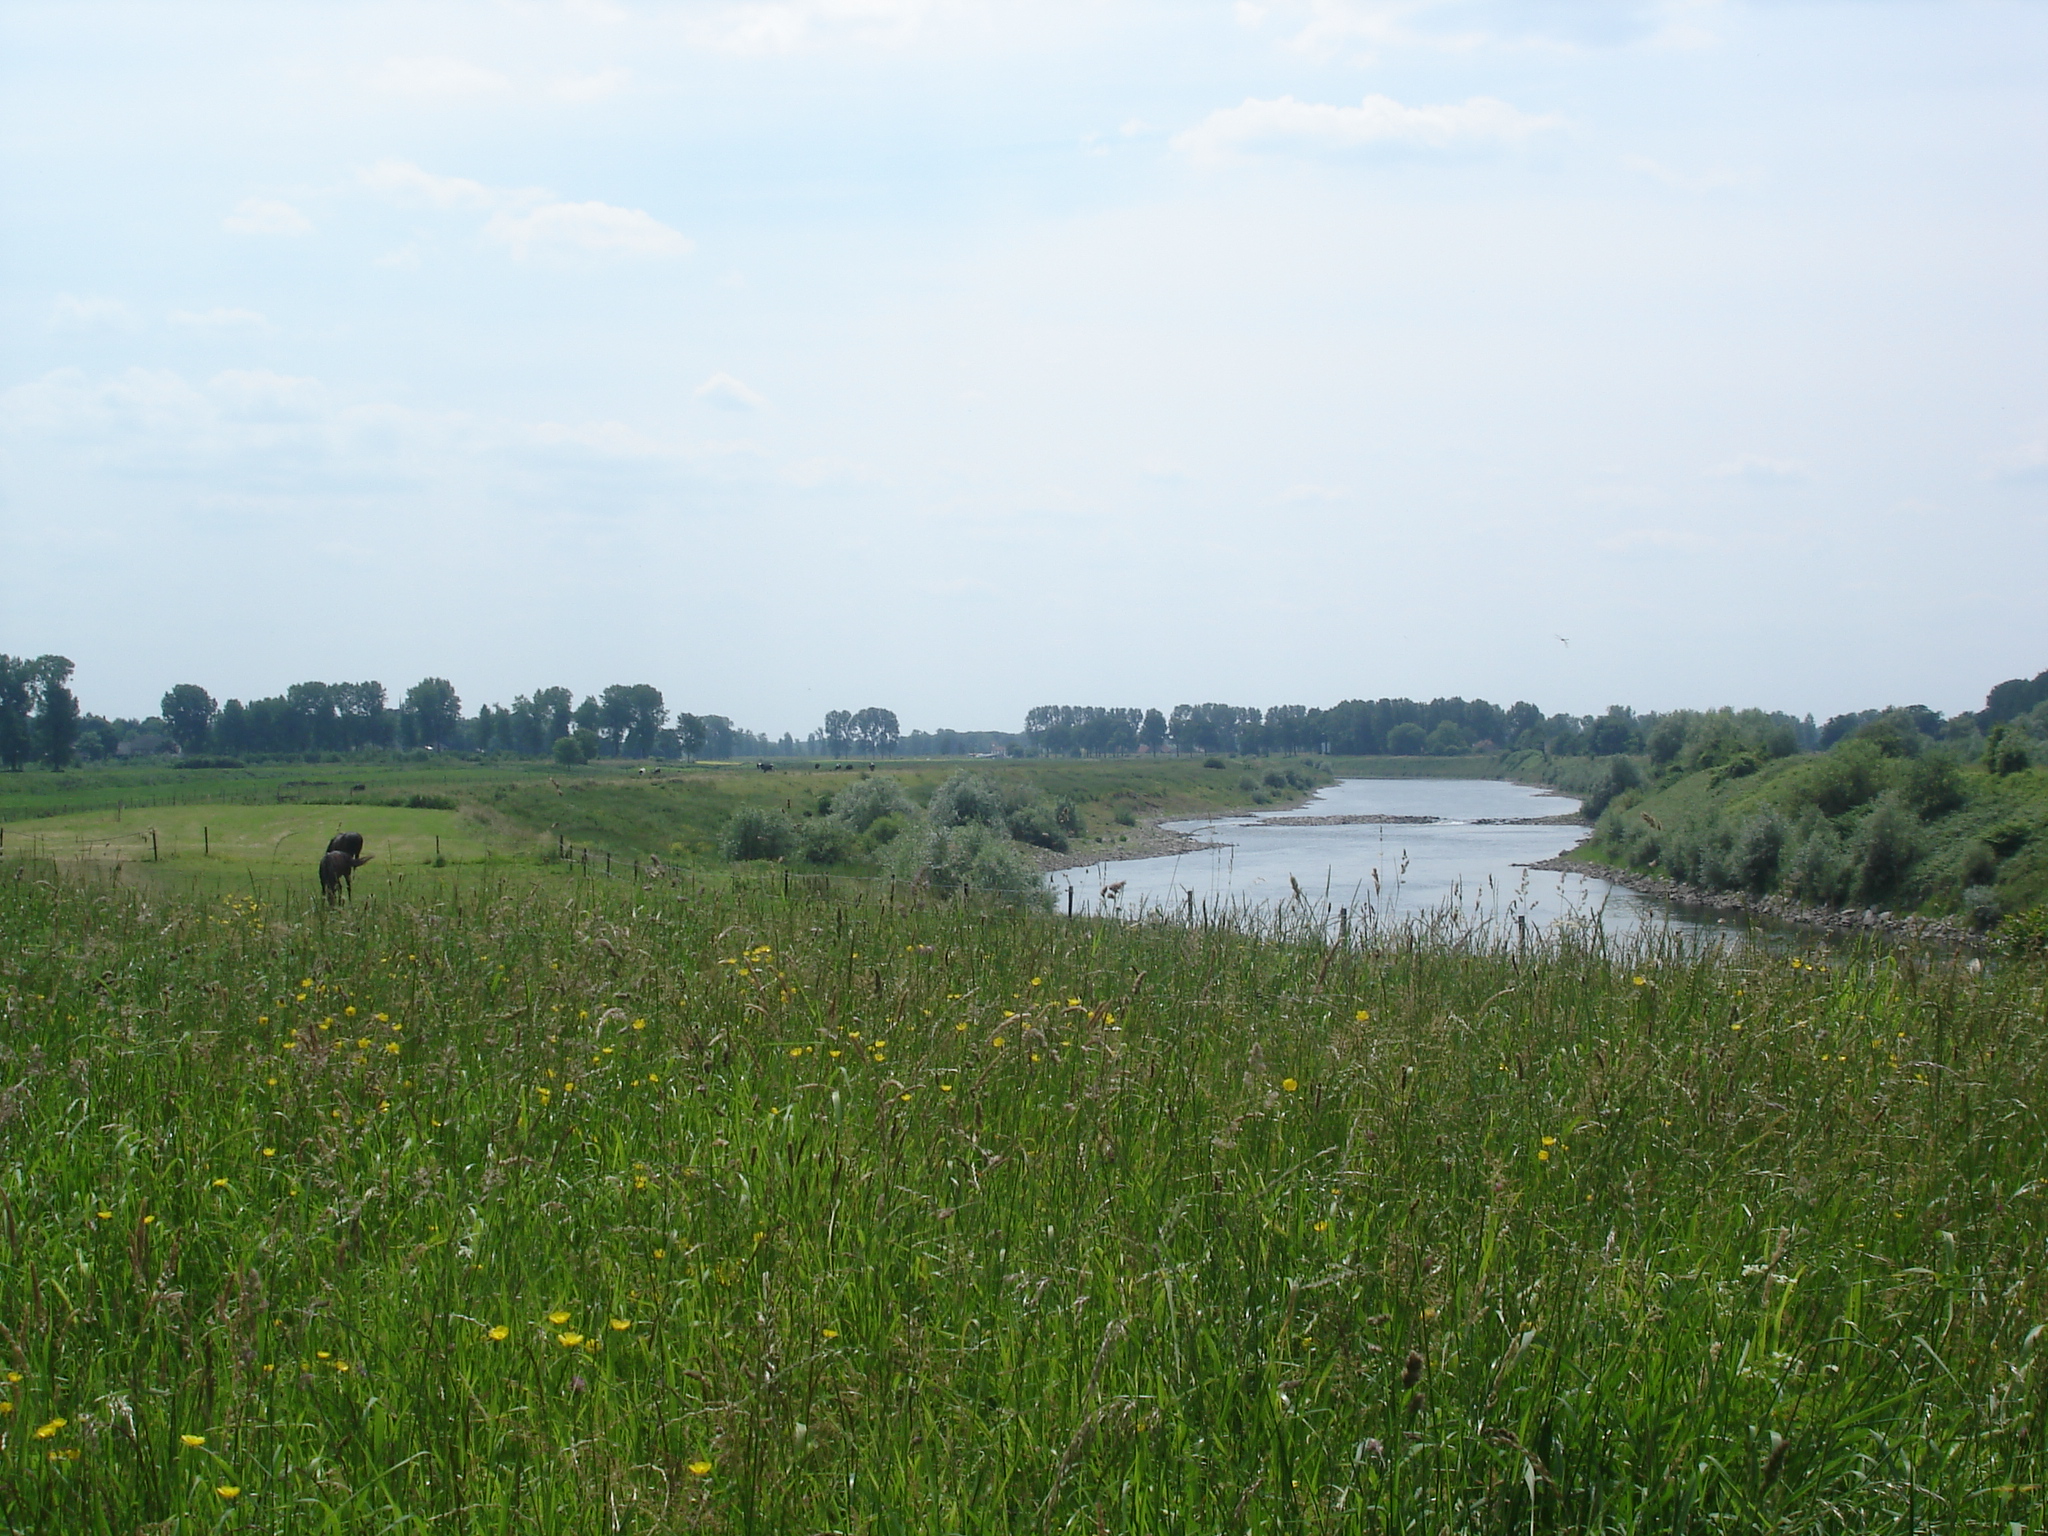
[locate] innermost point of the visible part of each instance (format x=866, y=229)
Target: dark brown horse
x=344, y=856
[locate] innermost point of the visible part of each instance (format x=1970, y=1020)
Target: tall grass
x=668, y=1208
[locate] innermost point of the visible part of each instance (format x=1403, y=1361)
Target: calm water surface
x=1386, y=872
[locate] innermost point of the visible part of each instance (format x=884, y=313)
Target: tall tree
x=431, y=714
x=553, y=705
x=56, y=712
x=1152, y=734
x=188, y=710
x=838, y=731
x=17, y=704
x=876, y=729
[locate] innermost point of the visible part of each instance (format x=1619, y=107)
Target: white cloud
x=790, y=26
x=722, y=389
x=215, y=319
x=597, y=87
x=1755, y=469
x=77, y=311
x=437, y=79
x=587, y=228
x=265, y=216
x=404, y=182
x=1285, y=124
x=1360, y=28
x=530, y=220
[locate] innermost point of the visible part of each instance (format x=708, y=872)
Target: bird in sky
x=1560, y=639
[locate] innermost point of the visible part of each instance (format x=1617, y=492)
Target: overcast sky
x=958, y=356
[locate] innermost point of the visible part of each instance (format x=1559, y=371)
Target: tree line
x=1449, y=727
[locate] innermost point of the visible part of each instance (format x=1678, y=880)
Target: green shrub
x=825, y=840
x=1932, y=785
x=975, y=858
x=1845, y=778
x=2006, y=751
x=2025, y=933
x=1817, y=870
x=423, y=802
x=1886, y=848
x=1619, y=778
x=967, y=797
x=754, y=833
x=1758, y=848
x=860, y=805
x=1033, y=822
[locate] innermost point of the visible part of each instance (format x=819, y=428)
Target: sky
x=957, y=356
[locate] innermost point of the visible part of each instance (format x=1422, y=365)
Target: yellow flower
x=6, y=1405
x=105, y=1215
x=1288, y=1084
x=48, y=1431
x=568, y=1340
x=700, y=1469
x=620, y=1324
x=661, y=1253
x=498, y=1333
x=796, y=1050
x=639, y=1023
x=192, y=1442
x=1550, y=1141
x=228, y=1491
x=270, y=1151
x=1322, y=1226
x=1543, y=1157
x=997, y=1042
x=831, y=1333
x=350, y=1010
x=220, y=1184
x=323, y=1354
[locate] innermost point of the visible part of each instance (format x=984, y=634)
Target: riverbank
x=1839, y=922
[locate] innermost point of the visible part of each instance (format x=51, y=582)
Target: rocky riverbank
x=1145, y=840
x=1842, y=922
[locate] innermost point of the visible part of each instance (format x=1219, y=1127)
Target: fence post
x=152, y=845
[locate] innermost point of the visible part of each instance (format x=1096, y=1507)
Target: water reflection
x=1369, y=855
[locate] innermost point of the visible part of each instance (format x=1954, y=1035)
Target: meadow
x=691, y=1204
x=437, y=821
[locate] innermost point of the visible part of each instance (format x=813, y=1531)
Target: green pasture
x=221, y=826
x=589, y=1206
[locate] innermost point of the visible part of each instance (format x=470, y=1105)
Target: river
x=1466, y=852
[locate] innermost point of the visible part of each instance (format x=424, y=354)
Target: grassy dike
x=595, y=1208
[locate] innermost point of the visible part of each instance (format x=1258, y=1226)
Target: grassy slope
x=2016, y=801
x=275, y=820
x=895, y=1219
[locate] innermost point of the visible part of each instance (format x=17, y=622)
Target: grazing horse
x=344, y=856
